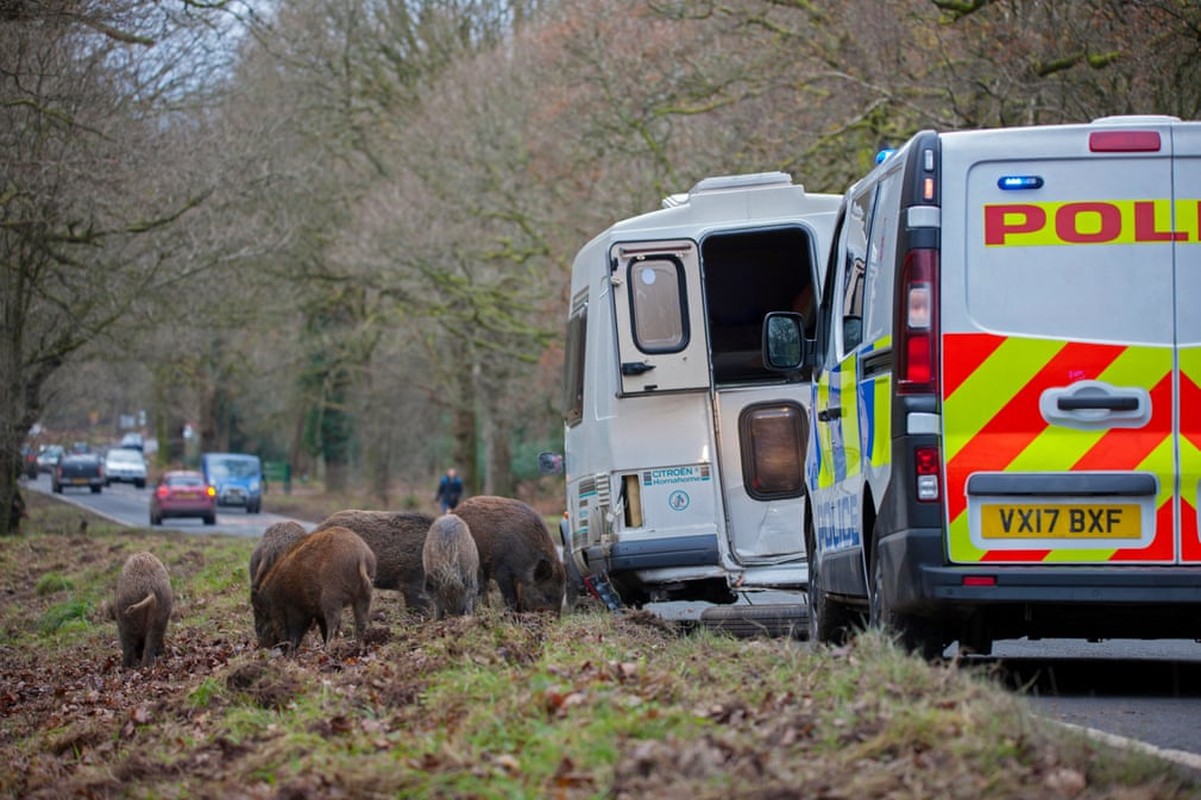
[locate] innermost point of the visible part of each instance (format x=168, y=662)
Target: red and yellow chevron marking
x=992, y=423
x=1190, y=453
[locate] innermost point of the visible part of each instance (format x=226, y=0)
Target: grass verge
x=588, y=705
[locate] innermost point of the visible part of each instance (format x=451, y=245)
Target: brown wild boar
x=276, y=541
x=322, y=573
x=452, y=566
x=396, y=538
x=142, y=605
x=516, y=551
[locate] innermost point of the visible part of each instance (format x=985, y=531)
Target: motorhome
x=684, y=453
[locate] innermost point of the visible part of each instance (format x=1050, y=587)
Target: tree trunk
x=465, y=431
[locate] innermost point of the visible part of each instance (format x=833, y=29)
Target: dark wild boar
x=452, y=566
x=322, y=574
x=396, y=538
x=276, y=541
x=142, y=606
x=516, y=551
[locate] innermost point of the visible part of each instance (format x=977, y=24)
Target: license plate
x=188, y=496
x=80, y=481
x=1061, y=521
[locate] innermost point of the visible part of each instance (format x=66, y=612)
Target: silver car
x=124, y=465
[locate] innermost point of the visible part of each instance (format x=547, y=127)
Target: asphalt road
x=124, y=504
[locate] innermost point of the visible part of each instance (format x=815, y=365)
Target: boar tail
x=365, y=574
x=148, y=600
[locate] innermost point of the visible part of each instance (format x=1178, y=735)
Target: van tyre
x=829, y=621
x=916, y=634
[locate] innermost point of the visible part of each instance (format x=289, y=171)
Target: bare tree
x=84, y=202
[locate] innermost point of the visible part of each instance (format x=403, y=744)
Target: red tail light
x=917, y=358
x=1124, y=142
x=928, y=469
x=162, y=491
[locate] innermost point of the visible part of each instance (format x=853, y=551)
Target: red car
x=183, y=493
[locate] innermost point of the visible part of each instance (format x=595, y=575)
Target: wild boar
x=276, y=541
x=452, y=564
x=396, y=538
x=516, y=551
x=142, y=605
x=322, y=573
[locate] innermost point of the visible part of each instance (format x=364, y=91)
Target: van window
x=881, y=260
x=573, y=363
x=657, y=304
x=854, y=267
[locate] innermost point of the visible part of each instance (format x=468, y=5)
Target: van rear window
x=657, y=303
x=1048, y=267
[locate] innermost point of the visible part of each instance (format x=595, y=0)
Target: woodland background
x=338, y=232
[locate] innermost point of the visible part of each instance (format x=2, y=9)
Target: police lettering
x=1092, y=222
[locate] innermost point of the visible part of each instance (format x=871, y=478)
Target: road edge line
x=1181, y=757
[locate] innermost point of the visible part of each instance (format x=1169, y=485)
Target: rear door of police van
x=1068, y=257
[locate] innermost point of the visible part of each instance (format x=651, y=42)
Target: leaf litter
x=591, y=704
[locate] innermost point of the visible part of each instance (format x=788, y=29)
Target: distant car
x=79, y=470
x=183, y=493
x=238, y=479
x=48, y=457
x=124, y=465
x=133, y=441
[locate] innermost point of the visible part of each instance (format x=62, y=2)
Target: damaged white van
x=684, y=454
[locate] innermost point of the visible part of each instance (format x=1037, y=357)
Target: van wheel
x=830, y=622
x=919, y=635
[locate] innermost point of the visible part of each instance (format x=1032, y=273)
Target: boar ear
x=543, y=571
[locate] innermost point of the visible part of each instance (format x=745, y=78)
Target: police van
x=1006, y=428
x=684, y=453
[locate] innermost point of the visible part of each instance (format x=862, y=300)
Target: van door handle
x=1095, y=405
x=1068, y=403
x=635, y=367
x=827, y=414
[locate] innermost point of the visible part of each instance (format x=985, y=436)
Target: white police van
x=1006, y=437
x=684, y=454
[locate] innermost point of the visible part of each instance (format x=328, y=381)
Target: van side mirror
x=785, y=347
x=550, y=463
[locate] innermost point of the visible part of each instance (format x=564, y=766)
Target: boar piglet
x=142, y=606
x=396, y=538
x=516, y=551
x=452, y=566
x=276, y=541
x=322, y=574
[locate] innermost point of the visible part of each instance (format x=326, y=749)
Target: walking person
x=450, y=490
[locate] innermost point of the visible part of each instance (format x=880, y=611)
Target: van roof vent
x=723, y=182
x=1136, y=119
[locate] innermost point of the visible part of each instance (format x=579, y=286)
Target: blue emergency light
x=1019, y=182
x=883, y=155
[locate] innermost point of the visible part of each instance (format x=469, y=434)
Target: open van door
x=660, y=317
